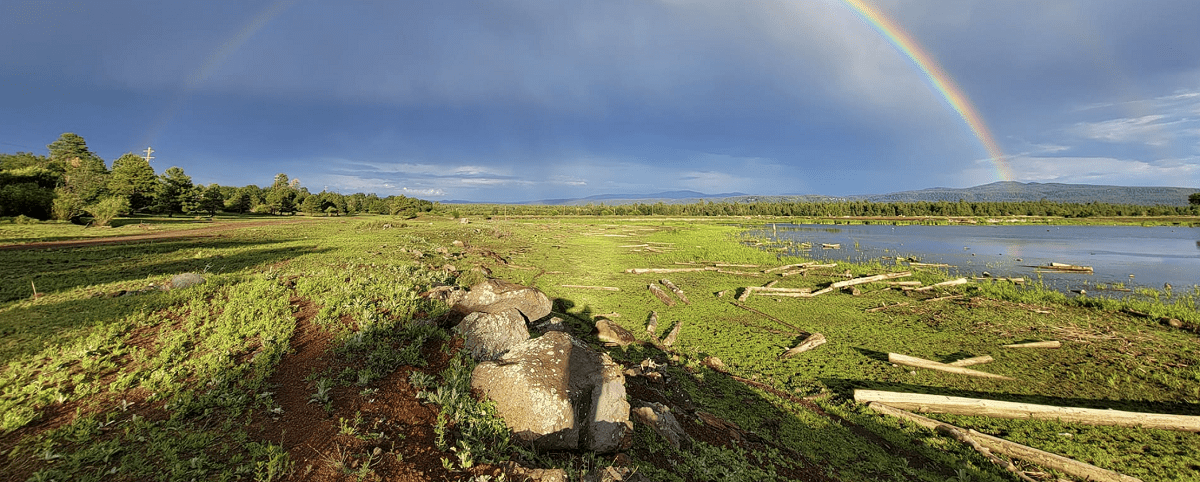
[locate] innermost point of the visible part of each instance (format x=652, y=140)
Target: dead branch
x=813, y=341
x=913, y=361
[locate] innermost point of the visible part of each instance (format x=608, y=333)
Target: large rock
x=609, y=331
x=556, y=393
x=660, y=418
x=494, y=296
x=489, y=335
x=185, y=280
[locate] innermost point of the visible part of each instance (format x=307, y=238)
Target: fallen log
x=652, y=325
x=728, y=265
x=813, y=341
x=944, y=284
x=785, y=268
x=1012, y=449
x=605, y=288
x=870, y=279
x=913, y=361
x=675, y=289
x=975, y=360
x=884, y=307
x=903, y=283
x=673, y=335
x=795, y=331
x=914, y=264
x=668, y=270
x=741, y=273
x=1028, y=411
x=801, y=294
x=793, y=273
x=1036, y=344
x=661, y=295
x=943, y=298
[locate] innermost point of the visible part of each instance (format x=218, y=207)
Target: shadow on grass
x=29, y=327
x=66, y=269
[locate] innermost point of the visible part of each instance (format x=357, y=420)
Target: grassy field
x=302, y=355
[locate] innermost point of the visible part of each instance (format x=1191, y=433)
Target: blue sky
x=525, y=100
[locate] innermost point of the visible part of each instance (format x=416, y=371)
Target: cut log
x=652, y=325
x=869, y=279
x=1012, y=449
x=915, y=264
x=673, y=335
x=944, y=284
x=675, y=289
x=943, y=298
x=771, y=283
x=727, y=265
x=1028, y=411
x=1036, y=344
x=661, y=295
x=913, y=361
x=585, y=287
x=903, y=283
x=975, y=360
x=667, y=270
x=813, y=341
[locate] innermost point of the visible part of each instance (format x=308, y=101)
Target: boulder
x=611, y=332
x=489, y=335
x=494, y=296
x=659, y=418
x=185, y=280
x=555, y=393
x=553, y=324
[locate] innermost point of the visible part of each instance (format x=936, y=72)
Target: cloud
x=1089, y=170
x=1171, y=118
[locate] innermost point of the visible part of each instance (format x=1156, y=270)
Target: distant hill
x=1004, y=191
x=668, y=197
x=1009, y=191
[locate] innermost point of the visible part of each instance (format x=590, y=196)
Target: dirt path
x=203, y=232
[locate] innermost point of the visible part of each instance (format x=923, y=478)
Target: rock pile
x=553, y=391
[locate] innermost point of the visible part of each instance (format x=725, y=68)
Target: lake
x=1129, y=256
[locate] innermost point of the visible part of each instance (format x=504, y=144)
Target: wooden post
x=1028, y=411
x=1013, y=449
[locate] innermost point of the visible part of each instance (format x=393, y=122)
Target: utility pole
x=148, y=156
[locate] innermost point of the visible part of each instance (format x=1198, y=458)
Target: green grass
x=202, y=355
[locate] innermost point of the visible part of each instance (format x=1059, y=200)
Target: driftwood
x=1036, y=344
x=795, y=331
x=785, y=268
x=813, y=341
x=943, y=298
x=884, y=307
x=673, y=335
x=975, y=360
x=870, y=279
x=793, y=273
x=1012, y=449
x=915, y=264
x=727, y=265
x=675, y=289
x=771, y=291
x=667, y=270
x=740, y=273
x=1028, y=411
x=771, y=283
x=661, y=295
x=953, y=282
x=605, y=288
x=903, y=283
x=932, y=365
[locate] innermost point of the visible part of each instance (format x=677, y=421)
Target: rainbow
x=939, y=78
x=213, y=61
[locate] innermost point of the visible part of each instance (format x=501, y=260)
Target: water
x=1122, y=256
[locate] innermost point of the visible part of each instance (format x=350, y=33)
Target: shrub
x=104, y=211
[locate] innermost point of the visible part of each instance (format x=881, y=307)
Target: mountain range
x=1003, y=191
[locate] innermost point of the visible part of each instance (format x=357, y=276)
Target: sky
x=521, y=100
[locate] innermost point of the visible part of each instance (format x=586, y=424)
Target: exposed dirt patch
x=382, y=427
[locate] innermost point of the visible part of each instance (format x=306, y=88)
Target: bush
x=104, y=211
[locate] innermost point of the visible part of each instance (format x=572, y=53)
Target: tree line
x=71, y=183
x=823, y=209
